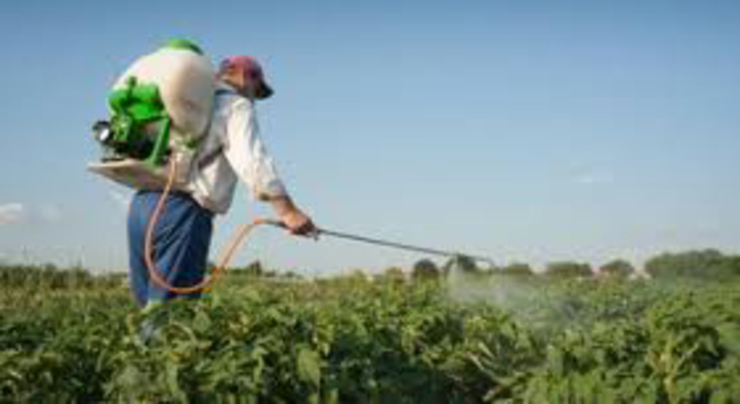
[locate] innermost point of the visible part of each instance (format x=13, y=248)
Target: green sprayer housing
x=137, y=108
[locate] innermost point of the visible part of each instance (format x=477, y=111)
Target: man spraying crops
x=231, y=151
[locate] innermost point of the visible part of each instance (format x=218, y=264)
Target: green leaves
x=309, y=367
x=355, y=340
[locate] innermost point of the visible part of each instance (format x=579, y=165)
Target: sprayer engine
x=139, y=127
x=115, y=148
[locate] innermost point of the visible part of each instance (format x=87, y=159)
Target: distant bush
x=706, y=264
x=462, y=263
x=517, y=269
x=253, y=269
x=45, y=276
x=393, y=274
x=568, y=269
x=425, y=269
x=617, y=268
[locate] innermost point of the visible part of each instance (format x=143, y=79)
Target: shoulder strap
x=225, y=91
x=208, y=158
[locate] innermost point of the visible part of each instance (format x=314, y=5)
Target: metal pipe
x=393, y=244
x=402, y=246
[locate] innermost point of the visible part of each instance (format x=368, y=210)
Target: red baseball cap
x=253, y=72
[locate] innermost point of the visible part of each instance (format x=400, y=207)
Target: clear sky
x=525, y=130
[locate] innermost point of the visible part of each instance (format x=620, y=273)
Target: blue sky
x=525, y=130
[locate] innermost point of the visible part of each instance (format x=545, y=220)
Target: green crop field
x=464, y=337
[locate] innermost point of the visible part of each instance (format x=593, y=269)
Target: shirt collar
x=222, y=85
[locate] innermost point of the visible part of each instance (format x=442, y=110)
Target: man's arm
x=249, y=158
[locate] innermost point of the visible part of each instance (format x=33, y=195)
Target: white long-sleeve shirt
x=232, y=150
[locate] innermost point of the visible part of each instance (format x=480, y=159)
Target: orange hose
x=155, y=273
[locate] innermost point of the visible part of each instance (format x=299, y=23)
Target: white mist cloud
x=11, y=213
x=51, y=213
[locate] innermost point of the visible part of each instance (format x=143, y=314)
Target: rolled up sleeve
x=247, y=154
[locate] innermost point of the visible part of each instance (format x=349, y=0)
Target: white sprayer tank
x=187, y=83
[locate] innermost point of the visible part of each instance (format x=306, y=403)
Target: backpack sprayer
x=160, y=110
x=161, y=107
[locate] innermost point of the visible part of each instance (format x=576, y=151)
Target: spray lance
x=386, y=243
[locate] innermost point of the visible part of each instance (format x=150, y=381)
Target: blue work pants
x=182, y=237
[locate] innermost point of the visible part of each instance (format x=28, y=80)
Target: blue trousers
x=181, y=241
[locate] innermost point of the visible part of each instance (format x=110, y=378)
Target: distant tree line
x=704, y=264
x=49, y=276
x=707, y=264
x=257, y=269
